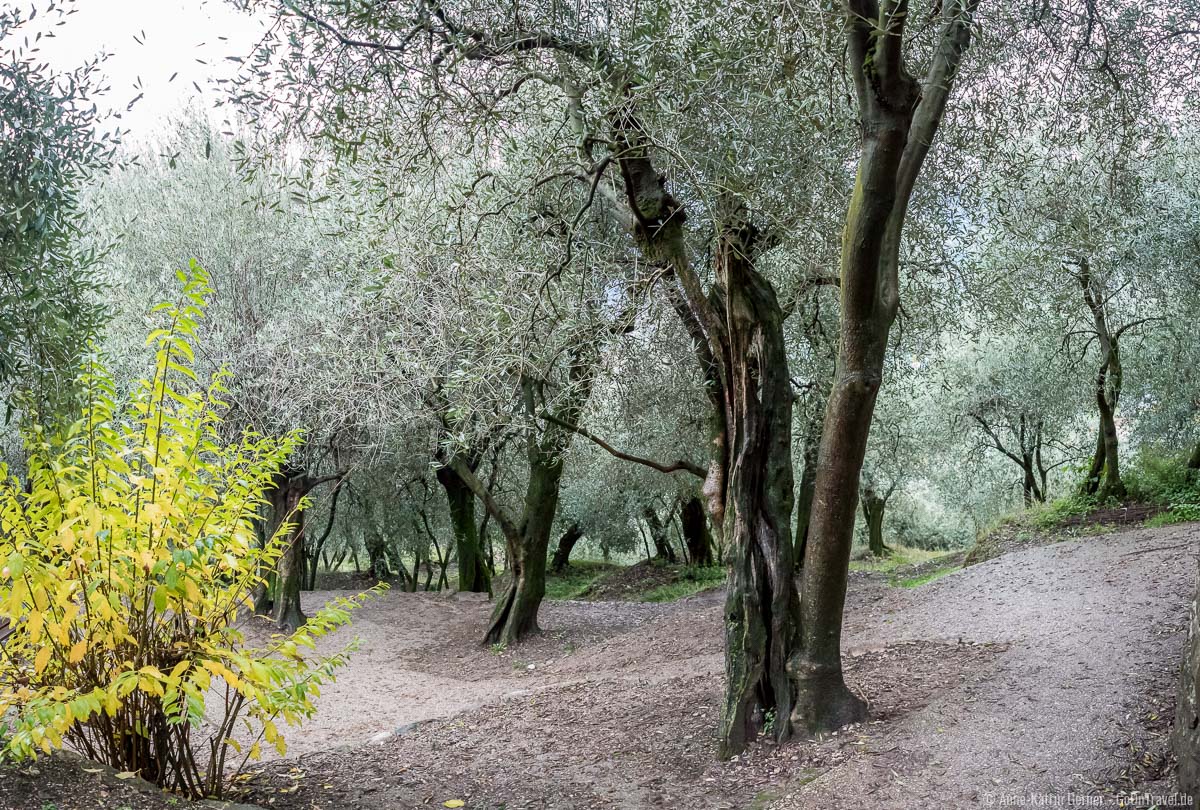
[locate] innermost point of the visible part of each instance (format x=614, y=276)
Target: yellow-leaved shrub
x=128, y=558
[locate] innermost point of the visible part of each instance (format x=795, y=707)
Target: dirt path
x=1092, y=627
x=1034, y=673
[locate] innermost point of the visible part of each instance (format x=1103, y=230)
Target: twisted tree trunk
x=873, y=508
x=762, y=606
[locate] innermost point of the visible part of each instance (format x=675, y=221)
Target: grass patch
x=690, y=580
x=927, y=577
x=1179, y=513
x=899, y=556
x=577, y=579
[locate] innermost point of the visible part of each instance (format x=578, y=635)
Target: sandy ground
x=1032, y=674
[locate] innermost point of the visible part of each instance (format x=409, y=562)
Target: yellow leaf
x=42, y=659
x=77, y=652
x=453, y=803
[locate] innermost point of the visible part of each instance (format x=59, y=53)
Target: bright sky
x=176, y=36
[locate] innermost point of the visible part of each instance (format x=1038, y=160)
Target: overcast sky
x=177, y=35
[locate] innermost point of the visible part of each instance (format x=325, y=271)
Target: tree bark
x=696, y=535
x=808, y=487
x=473, y=574
x=1104, y=474
x=1186, y=737
x=377, y=561
x=515, y=615
x=566, y=543
x=873, y=508
x=899, y=121
x=286, y=500
x=762, y=606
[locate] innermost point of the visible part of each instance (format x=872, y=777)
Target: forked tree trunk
x=515, y=615
x=663, y=550
x=696, y=535
x=1193, y=463
x=738, y=343
x=899, y=121
x=473, y=575
x=566, y=544
x=762, y=606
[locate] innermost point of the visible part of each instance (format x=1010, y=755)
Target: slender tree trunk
x=808, y=486
x=899, y=120
x=1104, y=476
x=566, y=543
x=414, y=583
x=696, y=535
x=1030, y=492
x=473, y=575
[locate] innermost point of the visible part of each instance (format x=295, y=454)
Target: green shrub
x=128, y=558
x=1054, y=514
x=1161, y=479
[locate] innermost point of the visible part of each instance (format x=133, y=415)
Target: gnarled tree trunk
x=762, y=606
x=289, y=568
x=873, y=508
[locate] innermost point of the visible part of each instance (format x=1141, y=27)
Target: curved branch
x=675, y=466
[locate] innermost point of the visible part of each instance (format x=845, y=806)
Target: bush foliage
x=128, y=557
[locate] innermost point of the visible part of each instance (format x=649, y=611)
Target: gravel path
x=1090, y=625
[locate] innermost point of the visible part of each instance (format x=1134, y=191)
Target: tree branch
x=507, y=524
x=676, y=466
